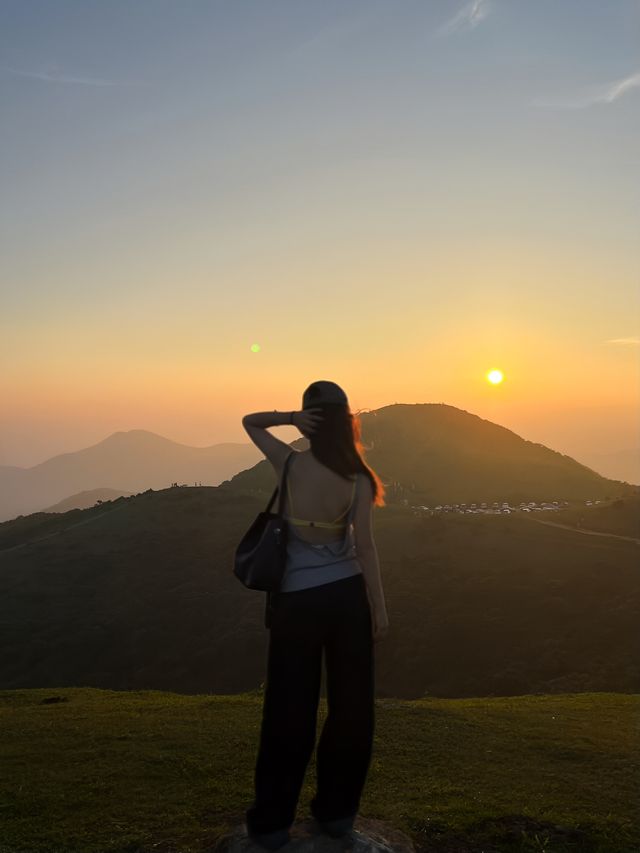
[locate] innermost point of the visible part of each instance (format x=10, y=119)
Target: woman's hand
x=380, y=623
x=306, y=421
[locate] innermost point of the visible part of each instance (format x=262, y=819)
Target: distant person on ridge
x=331, y=598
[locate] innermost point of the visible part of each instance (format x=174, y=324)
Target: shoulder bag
x=260, y=558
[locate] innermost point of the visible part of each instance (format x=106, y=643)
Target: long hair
x=336, y=442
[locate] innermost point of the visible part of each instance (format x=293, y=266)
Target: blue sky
x=174, y=168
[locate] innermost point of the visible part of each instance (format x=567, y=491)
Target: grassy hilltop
x=86, y=770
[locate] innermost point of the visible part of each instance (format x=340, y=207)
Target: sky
x=206, y=206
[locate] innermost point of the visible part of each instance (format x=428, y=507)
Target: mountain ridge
x=425, y=451
x=131, y=461
x=86, y=498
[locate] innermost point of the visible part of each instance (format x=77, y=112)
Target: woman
x=330, y=598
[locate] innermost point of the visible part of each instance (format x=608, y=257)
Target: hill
x=152, y=771
x=620, y=516
x=433, y=453
x=134, y=460
x=88, y=498
x=425, y=452
x=139, y=594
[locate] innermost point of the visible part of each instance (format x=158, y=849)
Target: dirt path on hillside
x=581, y=530
x=62, y=530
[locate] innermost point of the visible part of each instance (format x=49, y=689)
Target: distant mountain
x=83, y=500
x=619, y=464
x=139, y=593
x=425, y=453
x=134, y=460
x=431, y=453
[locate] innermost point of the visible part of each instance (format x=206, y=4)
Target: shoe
x=337, y=828
x=271, y=840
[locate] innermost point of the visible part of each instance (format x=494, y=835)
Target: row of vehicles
x=500, y=508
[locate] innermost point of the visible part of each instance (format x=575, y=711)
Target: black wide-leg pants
x=335, y=617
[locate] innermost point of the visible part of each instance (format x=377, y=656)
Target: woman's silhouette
x=331, y=598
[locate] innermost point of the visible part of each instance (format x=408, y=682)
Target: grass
x=101, y=770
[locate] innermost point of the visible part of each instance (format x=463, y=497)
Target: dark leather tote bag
x=260, y=558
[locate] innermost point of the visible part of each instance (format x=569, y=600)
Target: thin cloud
x=66, y=78
x=606, y=94
x=466, y=18
x=625, y=341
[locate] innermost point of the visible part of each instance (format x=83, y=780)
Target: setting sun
x=495, y=376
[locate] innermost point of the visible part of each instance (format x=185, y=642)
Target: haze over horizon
x=397, y=197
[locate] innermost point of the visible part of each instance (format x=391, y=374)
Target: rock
x=367, y=836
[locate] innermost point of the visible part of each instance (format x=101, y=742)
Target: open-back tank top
x=312, y=564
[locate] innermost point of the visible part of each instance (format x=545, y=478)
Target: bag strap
x=280, y=487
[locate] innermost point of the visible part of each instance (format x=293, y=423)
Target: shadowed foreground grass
x=99, y=770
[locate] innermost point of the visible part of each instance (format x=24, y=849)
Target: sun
x=495, y=377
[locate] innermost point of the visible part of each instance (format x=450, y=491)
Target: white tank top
x=310, y=564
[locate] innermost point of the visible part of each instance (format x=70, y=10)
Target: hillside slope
x=433, y=453
x=140, y=594
x=86, y=499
